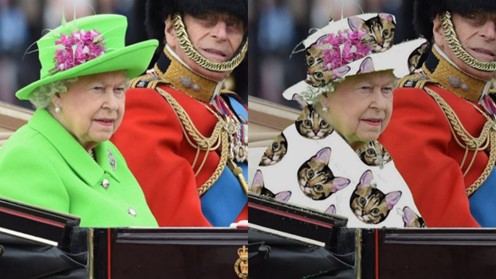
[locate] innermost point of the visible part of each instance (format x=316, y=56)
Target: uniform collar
x=76, y=157
x=440, y=69
x=170, y=68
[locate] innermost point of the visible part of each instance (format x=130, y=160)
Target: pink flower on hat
x=342, y=48
x=77, y=48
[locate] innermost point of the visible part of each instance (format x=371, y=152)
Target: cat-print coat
x=327, y=175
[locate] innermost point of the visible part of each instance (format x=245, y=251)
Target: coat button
x=105, y=184
x=131, y=211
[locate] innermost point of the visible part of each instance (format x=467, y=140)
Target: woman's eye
x=387, y=90
x=119, y=91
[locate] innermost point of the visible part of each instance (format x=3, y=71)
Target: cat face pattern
x=275, y=151
x=316, y=179
x=317, y=75
x=379, y=35
x=369, y=204
x=258, y=188
x=311, y=125
x=414, y=60
x=374, y=154
x=380, y=31
x=411, y=219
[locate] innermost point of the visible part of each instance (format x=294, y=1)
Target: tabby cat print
x=275, y=151
x=369, y=204
x=411, y=219
x=374, y=154
x=380, y=31
x=258, y=188
x=316, y=179
x=311, y=125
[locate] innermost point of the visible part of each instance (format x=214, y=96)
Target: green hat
x=86, y=46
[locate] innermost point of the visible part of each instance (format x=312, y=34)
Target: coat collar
x=170, y=68
x=442, y=71
x=72, y=152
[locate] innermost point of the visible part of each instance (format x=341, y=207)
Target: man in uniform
x=442, y=132
x=184, y=137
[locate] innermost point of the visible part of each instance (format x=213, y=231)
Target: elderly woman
x=330, y=160
x=61, y=159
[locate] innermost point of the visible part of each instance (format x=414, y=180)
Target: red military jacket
x=426, y=153
x=152, y=141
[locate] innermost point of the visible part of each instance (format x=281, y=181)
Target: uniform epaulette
x=415, y=81
x=147, y=81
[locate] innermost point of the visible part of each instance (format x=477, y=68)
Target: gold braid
x=193, y=54
x=455, y=45
x=203, y=143
x=486, y=138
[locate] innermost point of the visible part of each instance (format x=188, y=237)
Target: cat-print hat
x=358, y=44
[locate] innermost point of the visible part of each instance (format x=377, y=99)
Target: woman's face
x=477, y=35
x=360, y=107
x=216, y=36
x=93, y=107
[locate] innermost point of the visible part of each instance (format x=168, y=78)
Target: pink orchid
x=77, y=48
x=342, y=48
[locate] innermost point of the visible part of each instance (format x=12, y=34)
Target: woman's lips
x=373, y=122
x=105, y=122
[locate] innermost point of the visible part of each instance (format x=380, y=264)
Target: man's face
x=477, y=35
x=217, y=36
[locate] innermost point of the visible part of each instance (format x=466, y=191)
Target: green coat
x=42, y=164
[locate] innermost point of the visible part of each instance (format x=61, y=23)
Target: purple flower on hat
x=77, y=48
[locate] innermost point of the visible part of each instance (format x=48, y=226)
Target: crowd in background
x=278, y=26
x=22, y=22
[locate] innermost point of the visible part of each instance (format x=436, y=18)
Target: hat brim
x=395, y=59
x=133, y=59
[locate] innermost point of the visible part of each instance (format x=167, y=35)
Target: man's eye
x=206, y=17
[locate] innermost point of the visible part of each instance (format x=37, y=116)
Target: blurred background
x=278, y=26
x=22, y=22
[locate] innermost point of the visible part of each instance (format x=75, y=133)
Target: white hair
x=41, y=96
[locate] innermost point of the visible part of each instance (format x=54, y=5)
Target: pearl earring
x=57, y=109
x=324, y=109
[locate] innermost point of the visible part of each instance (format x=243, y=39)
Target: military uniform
x=441, y=139
x=185, y=140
